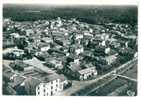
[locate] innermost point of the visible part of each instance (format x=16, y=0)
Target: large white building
x=49, y=89
x=53, y=86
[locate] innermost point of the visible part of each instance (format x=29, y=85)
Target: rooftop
x=83, y=71
x=38, y=64
x=17, y=81
x=74, y=67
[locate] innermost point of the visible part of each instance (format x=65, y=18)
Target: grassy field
x=110, y=87
x=132, y=72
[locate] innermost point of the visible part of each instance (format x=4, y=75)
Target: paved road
x=78, y=86
x=127, y=78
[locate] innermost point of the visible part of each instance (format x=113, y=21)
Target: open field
x=132, y=72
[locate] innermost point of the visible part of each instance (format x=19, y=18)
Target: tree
x=30, y=85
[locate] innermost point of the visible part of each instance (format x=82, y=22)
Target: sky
x=73, y=2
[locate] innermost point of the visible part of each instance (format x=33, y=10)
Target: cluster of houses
x=31, y=80
x=75, y=49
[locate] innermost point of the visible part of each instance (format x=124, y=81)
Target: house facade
x=49, y=89
x=53, y=86
x=76, y=71
x=87, y=73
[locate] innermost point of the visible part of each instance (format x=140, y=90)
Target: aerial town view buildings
x=68, y=57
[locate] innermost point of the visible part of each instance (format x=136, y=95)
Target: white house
x=77, y=61
x=45, y=48
x=48, y=89
x=136, y=54
x=103, y=43
x=76, y=71
x=107, y=50
x=47, y=40
x=79, y=36
x=87, y=73
x=52, y=86
x=14, y=35
x=90, y=30
x=17, y=52
x=29, y=32
x=88, y=34
x=79, y=50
